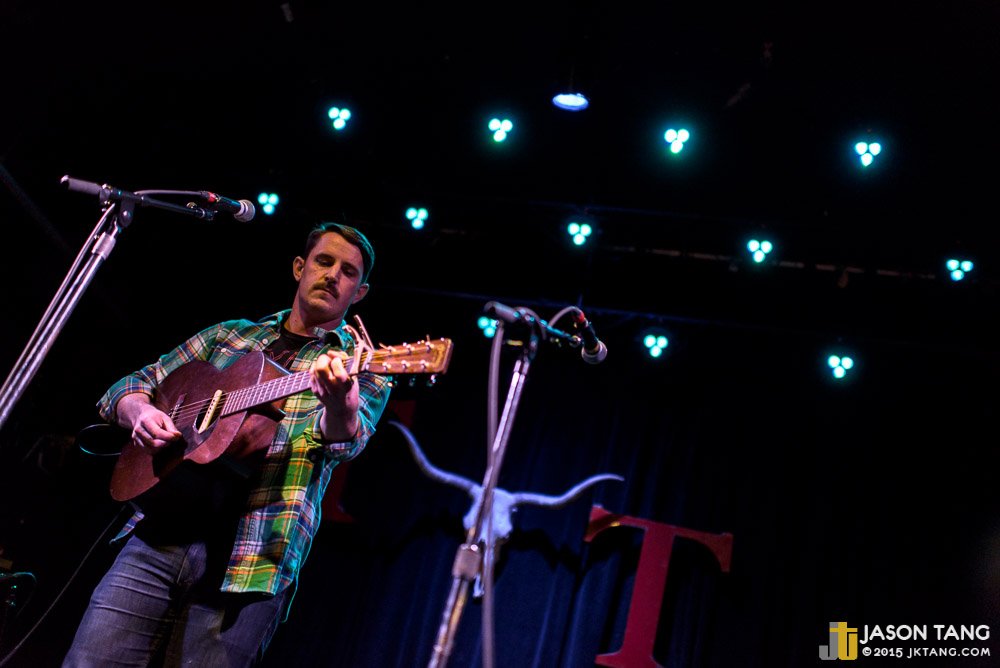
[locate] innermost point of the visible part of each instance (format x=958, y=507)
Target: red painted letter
x=650, y=580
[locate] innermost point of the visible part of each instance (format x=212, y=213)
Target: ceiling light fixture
x=571, y=101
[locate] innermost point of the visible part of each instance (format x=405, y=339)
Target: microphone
x=243, y=210
x=499, y=311
x=593, y=350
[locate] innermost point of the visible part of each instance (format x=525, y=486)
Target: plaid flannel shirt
x=283, y=513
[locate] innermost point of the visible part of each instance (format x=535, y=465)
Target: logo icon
x=843, y=643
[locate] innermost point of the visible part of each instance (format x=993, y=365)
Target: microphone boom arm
x=107, y=194
x=118, y=209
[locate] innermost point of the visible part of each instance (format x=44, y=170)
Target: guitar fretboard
x=271, y=390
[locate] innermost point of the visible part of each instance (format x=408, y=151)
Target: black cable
x=10, y=655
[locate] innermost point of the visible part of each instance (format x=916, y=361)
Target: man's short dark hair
x=353, y=236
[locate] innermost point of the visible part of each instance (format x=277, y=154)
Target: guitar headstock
x=427, y=356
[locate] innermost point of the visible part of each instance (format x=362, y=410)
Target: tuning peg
x=432, y=380
x=413, y=381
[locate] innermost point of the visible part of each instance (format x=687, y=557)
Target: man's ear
x=362, y=291
x=297, y=265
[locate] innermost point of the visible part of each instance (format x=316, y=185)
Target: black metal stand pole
x=119, y=206
x=472, y=554
x=469, y=558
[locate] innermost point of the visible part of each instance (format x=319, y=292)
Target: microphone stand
x=471, y=554
x=118, y=210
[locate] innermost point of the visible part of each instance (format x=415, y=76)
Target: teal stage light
x=268, y=202
x=655, y=344
x=840, y=365
x=958, y=269
x=579, y=232
x=488, y=326
x=759, y=249
x=339, y=116
x=417, y=217
x=676, y=139
x=500, y=127
x=867, y=151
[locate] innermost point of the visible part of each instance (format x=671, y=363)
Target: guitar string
x=192, y=410
x=258, y=391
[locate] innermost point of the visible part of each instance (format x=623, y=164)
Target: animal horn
x=429, y=469
x=559, y=501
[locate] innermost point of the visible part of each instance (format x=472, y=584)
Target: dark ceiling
x=231, y=97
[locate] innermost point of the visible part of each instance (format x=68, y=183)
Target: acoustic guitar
x=233, y=413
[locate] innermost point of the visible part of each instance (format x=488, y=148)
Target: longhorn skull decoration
x=504, y=503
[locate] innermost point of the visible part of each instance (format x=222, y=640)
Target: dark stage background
x=870, y=501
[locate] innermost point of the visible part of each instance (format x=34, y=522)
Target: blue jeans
x=161, y=605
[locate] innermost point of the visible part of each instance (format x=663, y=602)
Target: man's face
x=329, y=280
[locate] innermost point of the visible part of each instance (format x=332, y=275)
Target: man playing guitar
x=205, y=578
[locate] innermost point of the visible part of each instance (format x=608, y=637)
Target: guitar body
x=227, y=419
x=187, y=395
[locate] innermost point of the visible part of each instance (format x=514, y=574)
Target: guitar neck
x=266, y=392
x=422, y=357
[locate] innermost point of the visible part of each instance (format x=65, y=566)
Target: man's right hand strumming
x=151, y=427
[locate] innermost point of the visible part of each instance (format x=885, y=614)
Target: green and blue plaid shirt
x=283, y=511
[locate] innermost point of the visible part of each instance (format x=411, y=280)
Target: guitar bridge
x=211, y=413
